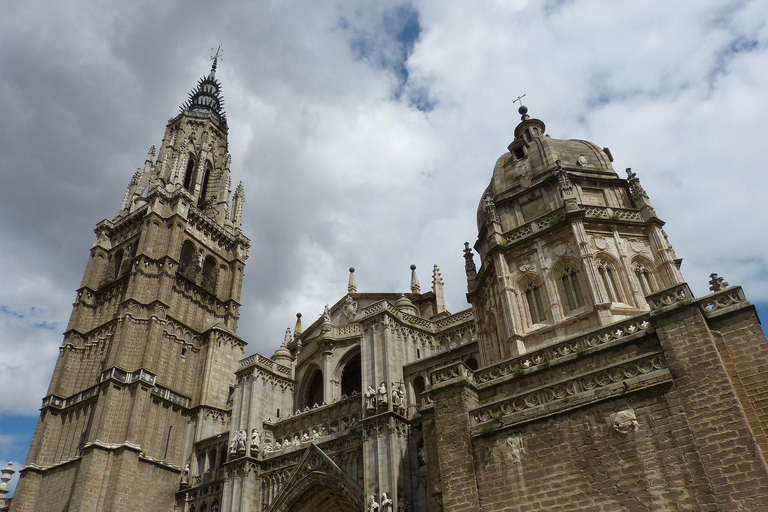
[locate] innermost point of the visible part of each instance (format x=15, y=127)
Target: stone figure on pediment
x=382, y=395
x=255, y=440
x=373, y=505
x=386, y=503
x=370, y=399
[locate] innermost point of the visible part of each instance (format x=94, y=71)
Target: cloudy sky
x=364, y=134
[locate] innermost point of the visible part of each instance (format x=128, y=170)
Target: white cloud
x=338, y=171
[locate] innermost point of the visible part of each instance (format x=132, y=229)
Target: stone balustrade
x=637, y=372
x=723, y=299
x=677, y=294
x=517, y=366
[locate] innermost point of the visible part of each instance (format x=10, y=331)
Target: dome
x=533, y=156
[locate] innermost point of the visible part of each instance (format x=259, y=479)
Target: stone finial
x=469, y=262
x=7, y=473
x=297, y=329
x=151, y=154
x=564, y=181
x=717, y=283
x=437, y=288
x=635, y=188
x=352, y=284
x=490, y=209
x=415, y=286
x=288, y=337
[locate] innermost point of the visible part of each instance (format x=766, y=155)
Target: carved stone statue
x=277, y=446
x=370, y=399
x=267, y=449
x=296, y=441
x=373, y=506
x=397, y=396
x=185, y=475
x=382, y=395
x=305, y=437
x=241, y=437
x=422, y=456
x=326, y=314
x=403, y=505
x=255, y=440
x=315, y=434
x=386, y=503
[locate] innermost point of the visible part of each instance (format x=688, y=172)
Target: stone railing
x=457, y=370
x=549, y=219
x=171, y=396
x=266, y=362
x=641, y=368
x=545, y=356
x=677, y=294
x=723, y=299
x=460, y=317
x=313, y=425
x=125, y=377
x=209, y=476
x=605, y=212
x=345, y=331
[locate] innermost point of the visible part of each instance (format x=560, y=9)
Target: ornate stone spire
x=717, y=283
x=206, y=96
x=635, y=188
x=469, y=262
x=352, y=285
x=237, y=205
x=437, y=288
x=415, y=286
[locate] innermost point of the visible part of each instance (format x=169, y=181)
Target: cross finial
x=520, y=99
x=216, y=56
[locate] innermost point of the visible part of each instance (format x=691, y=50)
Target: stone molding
x=640, y=372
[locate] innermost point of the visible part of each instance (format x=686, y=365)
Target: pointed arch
x=610, y=280
x=534, y=297
x=312, y=387
x=207, y=170
x=209, y=274
x=568, y=276
x=645, y=274
x=189, y=172
x=349, y=372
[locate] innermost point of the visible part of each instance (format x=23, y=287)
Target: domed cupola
x=528, y=128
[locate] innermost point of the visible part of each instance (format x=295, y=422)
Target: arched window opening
x=471, y=364
x=209, y=274
x=535, y=302
x=212, y=458
x=222, y=455
x=189, y=171
x=118, y=262
x=315, y=390
x=204, y=189
x=644, y=278
x=608, y=278
x=351, y=377
x=418, y=388
x=200, y=463
x=571, y=288
x=188, y=260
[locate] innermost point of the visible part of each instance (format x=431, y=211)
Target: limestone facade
x=584, y=376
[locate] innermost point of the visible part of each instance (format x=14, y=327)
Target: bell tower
x=151, y=346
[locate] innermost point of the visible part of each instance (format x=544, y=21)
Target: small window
x=183, y=352
x=535, y=302
x=608, y=278
x=571, y=289
x=188, y=173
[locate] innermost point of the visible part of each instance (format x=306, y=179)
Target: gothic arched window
x=314, y=393
x=209, y=274
x=351, y=376
x=644, y=278
x=535, y=302
x=418, y=388
x=189, y=171
x=609, y=281
x=118, y=262
x=206, y=178
x=573, y=298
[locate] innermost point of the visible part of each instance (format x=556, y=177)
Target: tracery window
x=608, y=278
x=574, y=299
x=643, y=278
x=535, y=302
x=188, y=173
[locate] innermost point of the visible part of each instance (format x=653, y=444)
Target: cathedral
x=584, y=375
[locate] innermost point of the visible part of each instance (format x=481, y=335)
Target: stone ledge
x=625, y=376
